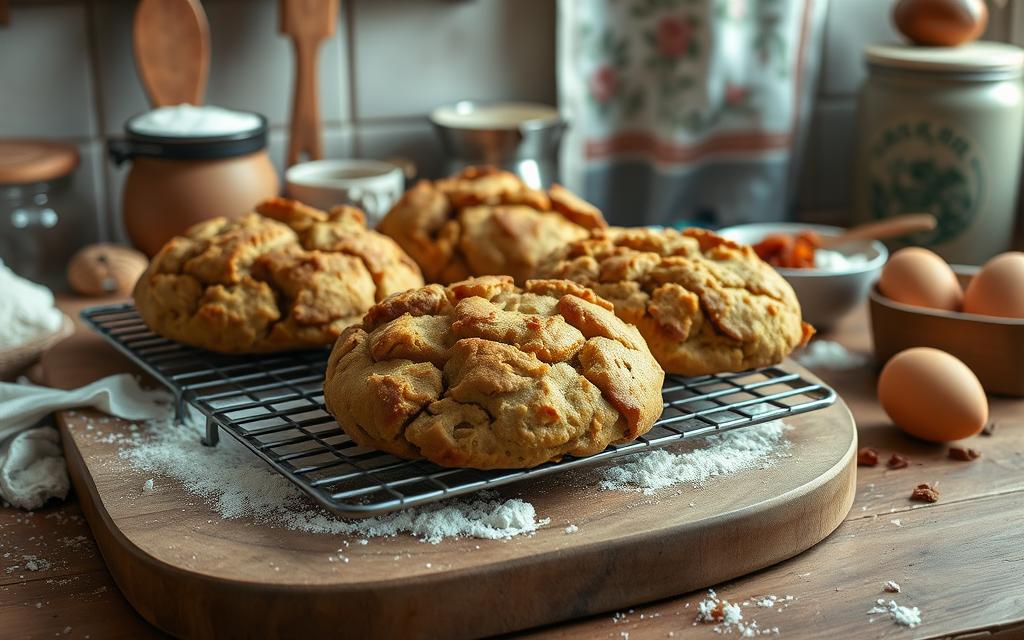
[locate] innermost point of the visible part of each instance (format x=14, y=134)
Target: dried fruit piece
x=898, y=461
x=891, y=587
x=867, y=457
x=965, y=455
x=718, y=613
x=925, y=493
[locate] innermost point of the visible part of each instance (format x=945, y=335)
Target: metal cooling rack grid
x=273, y=405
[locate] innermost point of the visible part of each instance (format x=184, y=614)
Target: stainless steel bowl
x=522, y=137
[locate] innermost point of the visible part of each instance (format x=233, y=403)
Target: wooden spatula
x=172, y=50
x=308, y=22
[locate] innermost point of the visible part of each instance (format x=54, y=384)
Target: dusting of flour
x=238, y=485
x=733, y=451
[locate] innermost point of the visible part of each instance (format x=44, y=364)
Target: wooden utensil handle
x=892, y=228
x=305, y=126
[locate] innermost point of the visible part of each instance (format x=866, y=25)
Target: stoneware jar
x=178, y=180
x=940, y=132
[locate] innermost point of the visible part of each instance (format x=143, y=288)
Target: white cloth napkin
x=32, y=466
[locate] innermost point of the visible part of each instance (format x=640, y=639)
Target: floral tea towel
x=686, y=109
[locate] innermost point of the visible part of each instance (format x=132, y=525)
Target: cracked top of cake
x=286, y=276
x=703, y=303
x=485, y=221
x=483, y=374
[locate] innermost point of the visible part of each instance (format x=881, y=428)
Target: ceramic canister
x=180, y=179
x=940, y=132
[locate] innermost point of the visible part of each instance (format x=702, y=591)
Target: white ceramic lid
x=967, y=58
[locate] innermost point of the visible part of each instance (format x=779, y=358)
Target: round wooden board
x=193, y=574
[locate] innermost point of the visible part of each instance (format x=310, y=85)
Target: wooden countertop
x=959, y=560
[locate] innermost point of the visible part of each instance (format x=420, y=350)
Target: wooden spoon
x=883, y=229
x=172, y=50
x=308, y=22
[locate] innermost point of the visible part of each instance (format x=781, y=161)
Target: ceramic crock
x=940, y=132
x=175, y=182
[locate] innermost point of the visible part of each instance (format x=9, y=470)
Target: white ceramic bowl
x=371, y=185
x=825, y=295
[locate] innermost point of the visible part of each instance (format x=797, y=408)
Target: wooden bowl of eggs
x=973, y=313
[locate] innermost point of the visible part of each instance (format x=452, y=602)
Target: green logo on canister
x=924, y=167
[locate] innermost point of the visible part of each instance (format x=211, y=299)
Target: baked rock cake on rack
x=703, y=303
x=486, y=375
x=287, y=276
x=485, y=221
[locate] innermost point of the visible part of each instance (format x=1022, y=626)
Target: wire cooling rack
x=274, y=405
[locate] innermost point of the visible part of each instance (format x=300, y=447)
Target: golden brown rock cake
x=484, y=221
x=289, y=276
x=483, y=374
x=703, y=303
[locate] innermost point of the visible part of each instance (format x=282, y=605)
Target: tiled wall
x=67, y=72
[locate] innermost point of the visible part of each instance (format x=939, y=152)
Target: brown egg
x=940, y=23
x=105, y=269
x=932, y=395
x=998, y=289
x=919, y=277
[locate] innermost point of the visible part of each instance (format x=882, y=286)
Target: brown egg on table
x=919, y=277
x=105, y=269
x=998, y=289
x=940, y=23
x=932, y=395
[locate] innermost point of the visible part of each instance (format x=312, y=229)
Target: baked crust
x=485, y=221
x=703, y=303
x=287, y=277
x=483, y=374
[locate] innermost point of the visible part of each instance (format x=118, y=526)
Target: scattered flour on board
x=905, y=616
x=828, y=354
x=238, y=485
x=719, y=455
x=26, y=309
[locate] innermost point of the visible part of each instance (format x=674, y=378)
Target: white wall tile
x=45, y=78
x=850, y=25
x=412, y=55
x=414, y=140
x=826, y=183
x=251, y=63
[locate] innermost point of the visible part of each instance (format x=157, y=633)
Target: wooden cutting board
x=193, y=574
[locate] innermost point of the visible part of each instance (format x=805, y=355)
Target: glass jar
x=940, y=132
x=36, y=237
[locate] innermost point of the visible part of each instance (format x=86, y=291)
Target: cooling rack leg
x=212, y=433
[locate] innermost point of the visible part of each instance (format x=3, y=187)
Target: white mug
x=371, y=185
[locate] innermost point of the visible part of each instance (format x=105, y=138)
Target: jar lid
x=975, y=57
x=180, y=146
x=28, y=161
